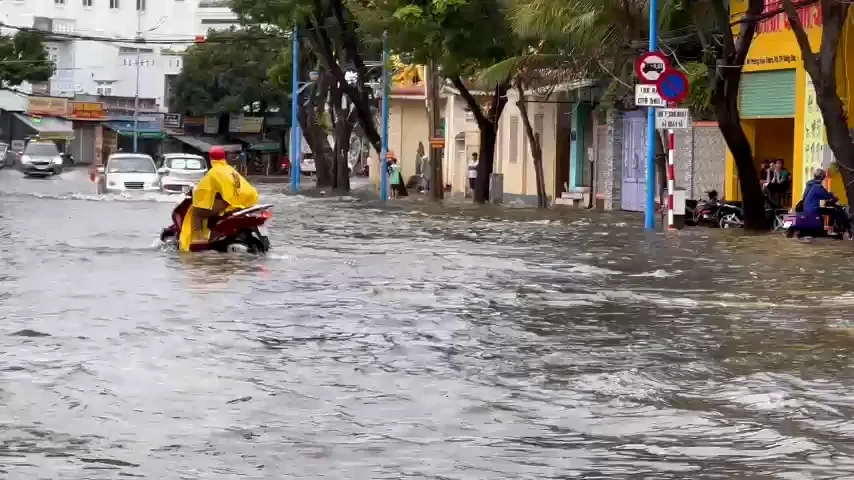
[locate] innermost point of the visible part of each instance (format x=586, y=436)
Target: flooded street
x=390, y=343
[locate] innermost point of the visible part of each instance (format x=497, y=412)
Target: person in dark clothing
x=765, y=173
x=815, y=193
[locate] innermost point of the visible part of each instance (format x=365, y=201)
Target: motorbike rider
x=221, y=190
x=815, y=193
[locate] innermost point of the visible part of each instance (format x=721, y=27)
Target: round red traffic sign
x=672, y=86
x=650, y=66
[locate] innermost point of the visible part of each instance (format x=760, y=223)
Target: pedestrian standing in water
x=398, y=189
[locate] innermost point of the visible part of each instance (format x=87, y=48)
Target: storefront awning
x=204, y=144
x=47, y=127
x=144, y=129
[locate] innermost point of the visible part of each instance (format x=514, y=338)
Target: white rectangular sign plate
x=647, y=96
x=672, y=119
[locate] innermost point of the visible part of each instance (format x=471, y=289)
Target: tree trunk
x=821, y=67
x=487, y=123
x=725, y=77
x=536, y=149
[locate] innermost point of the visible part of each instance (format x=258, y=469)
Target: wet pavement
x=389, y=343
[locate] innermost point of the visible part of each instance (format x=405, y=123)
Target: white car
x=307, y=166
x=130, y=172
x=181, y=171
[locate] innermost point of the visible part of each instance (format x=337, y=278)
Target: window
x=105, y=89
x=59, y=2
x=140, y=5
x=87, y=3
x=114, y=3
x=514, y=139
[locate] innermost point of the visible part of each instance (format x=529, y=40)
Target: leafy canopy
x=230, y=72
x=23, y=58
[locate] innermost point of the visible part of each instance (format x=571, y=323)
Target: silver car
x=40, y=159
x=181, y=171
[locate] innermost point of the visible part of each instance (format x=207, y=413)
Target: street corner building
x=777, y=100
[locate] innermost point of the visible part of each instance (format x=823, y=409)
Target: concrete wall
x=700, y=165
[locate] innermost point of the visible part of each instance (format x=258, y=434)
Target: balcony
x=214, y=4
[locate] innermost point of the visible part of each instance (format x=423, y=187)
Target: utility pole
x=384, y=147
x=649, y=211
x=139, y=41
x=437, y=189
x=296, y=141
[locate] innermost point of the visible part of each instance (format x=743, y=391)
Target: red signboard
x=87, y=111
x=809, y=16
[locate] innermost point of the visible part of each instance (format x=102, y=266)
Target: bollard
x=678, y=222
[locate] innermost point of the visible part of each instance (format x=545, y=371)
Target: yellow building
x=777, y=99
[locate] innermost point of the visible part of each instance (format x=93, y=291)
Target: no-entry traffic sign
x=672, y=86
x=651, y=66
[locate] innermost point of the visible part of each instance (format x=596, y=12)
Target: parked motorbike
x=712, y=211
x=241, y=231
x=827, y=224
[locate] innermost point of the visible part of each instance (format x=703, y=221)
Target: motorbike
x=715, y=212
x=242, y=231
x=825, y=224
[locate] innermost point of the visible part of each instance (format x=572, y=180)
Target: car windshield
x=41, y=150
x=185, y=163
x=131, y=165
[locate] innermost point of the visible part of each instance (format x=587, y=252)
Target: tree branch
x=470, y=100
x=810, y=59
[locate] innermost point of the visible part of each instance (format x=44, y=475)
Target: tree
x=230, y=73
x=462, y=37
x=725, y=60
x=821, y=67
x=23, y=58
x=330, y=29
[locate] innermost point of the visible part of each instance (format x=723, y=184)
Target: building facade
x=777, y=99
x=108, y=66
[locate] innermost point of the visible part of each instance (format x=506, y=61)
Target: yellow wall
x=775, y=48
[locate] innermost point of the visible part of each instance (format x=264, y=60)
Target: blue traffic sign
x=672, y=86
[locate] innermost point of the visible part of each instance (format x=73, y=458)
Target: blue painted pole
x=384, y=152
x=295, y=133
x=649, y=212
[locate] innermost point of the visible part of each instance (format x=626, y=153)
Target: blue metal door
x=634, y=161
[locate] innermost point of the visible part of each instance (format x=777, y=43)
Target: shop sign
x=194, y=121
x=647, y=96
x=211, y=124
x=239, y=123
x=48, y=106
x=87, y=111
x=814, y=144
x=173, y=120
x=771, y=60
x=810, y=17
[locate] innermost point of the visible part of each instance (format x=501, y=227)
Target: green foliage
x=461, y=36
x=231, y=71
x=700, y=98
x=23, y=58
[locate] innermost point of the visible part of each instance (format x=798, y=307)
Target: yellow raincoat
x=222, y=180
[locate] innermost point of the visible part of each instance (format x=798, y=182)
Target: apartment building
x=109, y=67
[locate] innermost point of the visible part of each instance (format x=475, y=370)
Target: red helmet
x=217, y=153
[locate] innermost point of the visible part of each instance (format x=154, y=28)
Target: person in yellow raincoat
x=221, y=190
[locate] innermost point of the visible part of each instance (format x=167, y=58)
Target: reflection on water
x=415, y=342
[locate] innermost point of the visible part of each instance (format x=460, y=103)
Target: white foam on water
x=658, y=274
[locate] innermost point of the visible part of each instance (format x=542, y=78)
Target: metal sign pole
x=649, y=212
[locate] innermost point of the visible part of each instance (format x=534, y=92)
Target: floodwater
x=389, y=343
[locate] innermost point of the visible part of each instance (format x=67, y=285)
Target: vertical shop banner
x=814, y=144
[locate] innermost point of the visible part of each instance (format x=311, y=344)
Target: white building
x=214, y=15
x=109, y=68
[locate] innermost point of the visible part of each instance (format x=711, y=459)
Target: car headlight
x=57, y=160
x=26, y=159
